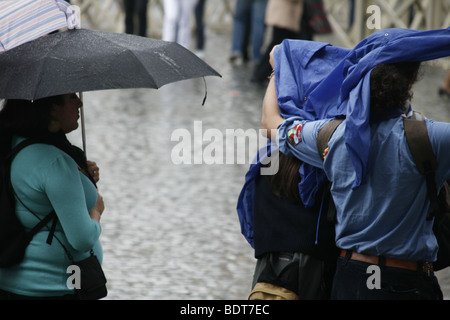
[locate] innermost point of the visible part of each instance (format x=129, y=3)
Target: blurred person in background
x=290, y=19
x=135, y=8
x=177, y=21
x=248, y=13
x=200, y=28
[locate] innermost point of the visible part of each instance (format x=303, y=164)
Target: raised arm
x=271, y=117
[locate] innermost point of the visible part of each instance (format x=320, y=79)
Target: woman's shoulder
x=41, y=154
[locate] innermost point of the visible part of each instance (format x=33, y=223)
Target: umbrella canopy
x=85, y=60
x=25, y=20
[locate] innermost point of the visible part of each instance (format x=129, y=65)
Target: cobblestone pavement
x=171, y=231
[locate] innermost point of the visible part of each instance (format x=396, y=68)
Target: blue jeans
x=255, y=10
x=351, y=283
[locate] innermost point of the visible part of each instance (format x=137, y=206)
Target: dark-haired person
x=383, y=221
x=46, y=176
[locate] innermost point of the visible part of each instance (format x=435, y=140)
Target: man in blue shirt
x=381, y=198
x=318, y=81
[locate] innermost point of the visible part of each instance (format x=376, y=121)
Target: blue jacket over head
x=318, y=81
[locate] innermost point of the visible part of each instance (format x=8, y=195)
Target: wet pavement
x=171, y=231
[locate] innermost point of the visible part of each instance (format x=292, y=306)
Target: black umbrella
x=86, y=60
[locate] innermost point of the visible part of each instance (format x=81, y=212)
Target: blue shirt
x=316, y=81
x=387, y=215
x=46, y=178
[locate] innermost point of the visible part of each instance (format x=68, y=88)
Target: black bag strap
x=419, y=144
x=51, y=215
x=42, y=223
x=8, y=158
x=47, y=218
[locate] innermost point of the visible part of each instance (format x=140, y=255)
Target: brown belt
x=426, y=267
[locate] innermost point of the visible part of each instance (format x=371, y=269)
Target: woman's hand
x=97, y=210
x=94, y=170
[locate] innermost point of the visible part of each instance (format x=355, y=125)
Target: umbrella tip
x=206, y=93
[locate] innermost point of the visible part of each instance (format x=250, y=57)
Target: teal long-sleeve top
x=46, y=178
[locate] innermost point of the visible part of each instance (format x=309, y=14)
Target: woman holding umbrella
x=49, y=175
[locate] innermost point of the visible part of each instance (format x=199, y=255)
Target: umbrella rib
x=148, y=73
x=40, y=76
x=136, y=58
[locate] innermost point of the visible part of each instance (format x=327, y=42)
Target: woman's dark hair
x=390, y=86
x=284, y=183
x=25, y=118
x=30, y=119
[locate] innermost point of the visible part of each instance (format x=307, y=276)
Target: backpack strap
x=51, y=215
x=324, y=135
x=42, y=223
x=18, y=148
x=419, y=144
